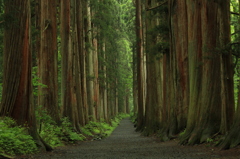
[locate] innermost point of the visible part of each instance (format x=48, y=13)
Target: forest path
x=125, y=143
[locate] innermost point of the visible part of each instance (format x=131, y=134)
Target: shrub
x=55, y=135
x=14, y=139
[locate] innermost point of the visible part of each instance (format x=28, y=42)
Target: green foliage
x=14, y=139
x=68, y=133
x=133, y=117
x=209, y=140
x=35, y=81
x=116, y=120
x=116, y=23
x=102, y=129
x=53, y=134
x=97, y=129
x=182, y=133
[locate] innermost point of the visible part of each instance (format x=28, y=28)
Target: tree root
x=231, y=140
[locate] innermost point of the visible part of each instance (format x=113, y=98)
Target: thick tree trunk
x=65, y=51
x=95, y=33
x=152, y=105
x=68, y=42
x=175, y=67
x=89, y=58
x=83, y=64
x=139, y=35
x=227, y=69
x=17, y=97
x=47, y=62
x=205, y=50
x=79, y=62
x=105, y=97
x=233, y=138
x=179, y=41
x=75, y=68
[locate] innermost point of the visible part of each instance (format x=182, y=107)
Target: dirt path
x=125, y=143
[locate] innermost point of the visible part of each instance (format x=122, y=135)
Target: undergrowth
x=133, y=117
x=99, y=130
x=14, y=139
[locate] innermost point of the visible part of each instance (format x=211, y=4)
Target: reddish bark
x=47, y=62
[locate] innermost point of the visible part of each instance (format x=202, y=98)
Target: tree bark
x=95, y=32
x=139, y=35
x=205, y=50
x=47, y=62
x=80, y=66
x=17, y=97
x=152, y=105
x=89, y=58
x=176, y=71
x=68, y=42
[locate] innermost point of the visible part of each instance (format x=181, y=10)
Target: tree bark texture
x=154, y=75
x=17, y=97
x=175, y=72
x=80, y=67
x=83, y=70
x=69, y=101
x=233, y=138
x=47, y=62
x=89, y=60
x=206, y=40
x=95, y=51
x=139, y=35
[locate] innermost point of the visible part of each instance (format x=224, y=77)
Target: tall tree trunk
x=79, y=64
x=139, y=35
x=17, y=97
x=75, y=68
x=135, y=89
x=206, y=46
x=152, y=105
x=67, y=50
x=233, y=138
x=95, y=51
x=89, y=58
x=47, y=62
x=105, y=96
x=83, y=63
x=176, y=72
x=227, y=68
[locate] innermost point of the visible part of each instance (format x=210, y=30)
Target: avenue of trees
x=68, y=58
x=173, y=63
x=186, y=70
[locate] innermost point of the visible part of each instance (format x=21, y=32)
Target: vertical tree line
x=82, y=52
x=173, y=63
x=189, y=70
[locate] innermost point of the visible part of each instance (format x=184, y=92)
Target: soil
x=125, y=143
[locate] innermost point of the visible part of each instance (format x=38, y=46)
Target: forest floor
x=125, y=143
